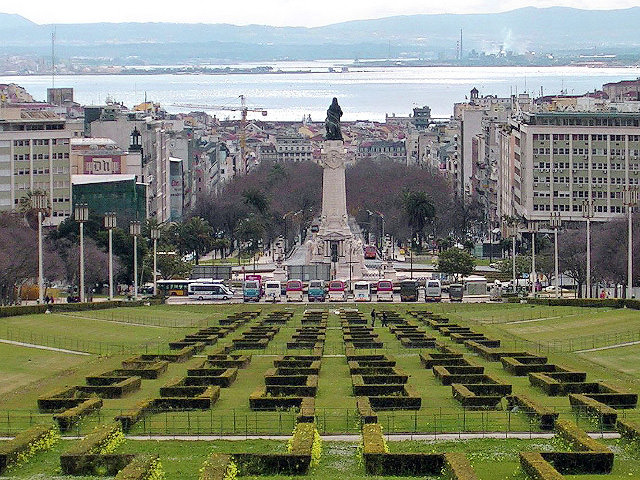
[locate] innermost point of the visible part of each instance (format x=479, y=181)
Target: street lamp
x=555, y=223
x=533, y=228
x=155, y=235
x=110, y=224
x=40, y=202
x=630, y=201
x=587, y=214
x=81, y=214
x=513, y=233
x=134, y=231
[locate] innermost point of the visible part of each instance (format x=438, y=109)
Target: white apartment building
x=555, y=161
x=35, y=155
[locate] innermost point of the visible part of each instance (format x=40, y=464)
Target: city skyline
x=277, y=12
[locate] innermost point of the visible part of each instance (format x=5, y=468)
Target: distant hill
x=555, y=29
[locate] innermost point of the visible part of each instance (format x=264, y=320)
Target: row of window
x=41, y=171
x=40, y=156
x=585, y=137
x=577, y=208
x=41, y=142
x=585, y=165
x=585, y=180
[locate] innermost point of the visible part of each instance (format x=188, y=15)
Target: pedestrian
x=373, y=317
x=384, y=319
x=46, y=300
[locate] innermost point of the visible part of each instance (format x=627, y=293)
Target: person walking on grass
x=373, y=317
x=384, y=319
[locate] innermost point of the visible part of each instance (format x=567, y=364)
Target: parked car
x=251, y=291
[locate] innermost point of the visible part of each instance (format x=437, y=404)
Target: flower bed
x=25, y=445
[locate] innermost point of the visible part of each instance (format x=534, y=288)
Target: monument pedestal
x=334, y=242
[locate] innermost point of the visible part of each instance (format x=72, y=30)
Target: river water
x=365, y=93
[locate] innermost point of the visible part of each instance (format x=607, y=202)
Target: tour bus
x=294, y=291
x=251, y=291
x=362, y=291
x=432, y=291
x=173, y=288
x=209, y=291
x=409, y=291
x=273, y=291
x=456, y=291
x=337, y=291
x=384, y=291
x=316, y=291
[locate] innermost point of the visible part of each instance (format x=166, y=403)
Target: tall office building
x=34, y=155
x=554, y=161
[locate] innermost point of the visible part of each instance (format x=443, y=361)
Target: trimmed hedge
x=546, y=415
x=67, y=419
x=18, y=449
x=215, y=467
x=151, y=369
x=628, y=429
x=15, y=310
x=96, y=440
x=606, y=415
x=142, y=467
x=583, y=302
x=128, y=418
x=365, y=411
x=457, y=467
x=107, y=386
x=536, y=467
x=578, y=439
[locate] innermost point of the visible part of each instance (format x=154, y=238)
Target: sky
x=268, y=12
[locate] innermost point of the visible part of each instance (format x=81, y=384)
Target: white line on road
x=626, y=344
x=42, y=347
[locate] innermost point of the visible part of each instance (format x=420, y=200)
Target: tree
x=193, y=236
x=523, y=265
x=250, y=230
x=455, y=261
x=420, y=210
x=19, y=258
x=572, y=255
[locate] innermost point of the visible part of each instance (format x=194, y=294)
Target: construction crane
x=243, y=109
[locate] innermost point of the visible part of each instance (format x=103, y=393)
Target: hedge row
x=26, y=444
x=147, y=369
x=378, y=460
x=16, y=310
x=67, y=419
x=216, y=467
x=142, y=467
x=95, y=441
x=536, y=467
x=227, y=361
x=108, y=386
x=584, y=302
x=222, y=377
x=546, y=416
x=578, y=439
x=457, y=467
x=521, y=366
x=628, y=429
x=606, y=415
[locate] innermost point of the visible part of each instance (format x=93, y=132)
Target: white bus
x=209, y=291
x=362, y=291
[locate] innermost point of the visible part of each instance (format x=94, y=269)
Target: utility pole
x=555, y=223
x=587, y=214
x=630, y=201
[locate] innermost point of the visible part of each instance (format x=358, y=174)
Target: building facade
x=555, y=161
x=35, y=149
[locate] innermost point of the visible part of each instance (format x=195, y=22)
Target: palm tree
x=420, y=211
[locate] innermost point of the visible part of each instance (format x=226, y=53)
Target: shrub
x=457, y=467
x=578, y=439
x=142, y=467
x=628, y=429
x=26, y=444
x=537, y=467
x=306, y=441
x=103, y=440
x=218, y=467
x=70, y=417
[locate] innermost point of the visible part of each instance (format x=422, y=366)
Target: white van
x=432, y=291
x=273, y=291
x=362, y=291
x=209, y=291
